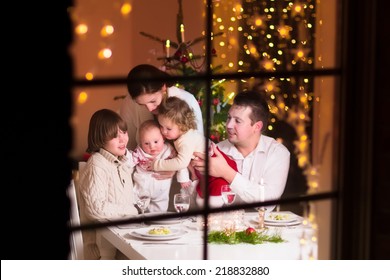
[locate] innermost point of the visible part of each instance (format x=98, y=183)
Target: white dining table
x=298, y=243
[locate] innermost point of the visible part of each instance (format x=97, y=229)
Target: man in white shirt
x=262, y=162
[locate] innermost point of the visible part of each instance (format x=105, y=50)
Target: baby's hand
x=185, y=185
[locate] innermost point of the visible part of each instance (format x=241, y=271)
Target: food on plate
x=279, y=217
x=160, y=231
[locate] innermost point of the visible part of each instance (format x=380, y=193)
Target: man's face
x=239, y=127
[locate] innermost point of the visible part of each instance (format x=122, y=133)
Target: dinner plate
x=139, y=235
x=296, y=222
x=281, y=217
x=285, y=224
x=145, y=232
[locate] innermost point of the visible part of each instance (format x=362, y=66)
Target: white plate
x=145, y=232
x=157, y=237
x=281, y=217
x=284, y=224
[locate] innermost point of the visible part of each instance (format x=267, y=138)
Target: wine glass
x=181, y=201
x=228, y=196
x=142, y=200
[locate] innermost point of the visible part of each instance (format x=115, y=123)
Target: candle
x=262, y=190
x=168, y=45
x=262, y=193
x=230, y=96
x=182, y=32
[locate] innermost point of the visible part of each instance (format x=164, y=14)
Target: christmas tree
x=183, y=62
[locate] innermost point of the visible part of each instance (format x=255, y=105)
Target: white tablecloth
x=299, y=244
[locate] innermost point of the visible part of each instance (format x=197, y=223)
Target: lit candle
x=182, y=32
x=230, y=96
x=168, y=45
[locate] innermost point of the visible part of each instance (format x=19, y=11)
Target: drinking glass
x=142, y=200
x=228, y=196
x=181, y=201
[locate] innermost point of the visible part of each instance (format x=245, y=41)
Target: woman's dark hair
x=146, y=78
x=254, y=100
x=103, y=127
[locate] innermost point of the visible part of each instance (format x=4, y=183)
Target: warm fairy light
x=82, y=98
x=281, y=105
x=270, y=87
x=297, y=9
x=126, y=8
x=238, y=9
x=302, y=161
x=104, y=53
x=107, y=30
x=81, y=29
x=284, y=31
x=253, y=50
x=258, y=21
x=232, y=41
x=89, y=76
x=268, y=64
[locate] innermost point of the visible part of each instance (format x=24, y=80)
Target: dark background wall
x=364, y=181
x=380, y=239
x=35, y=133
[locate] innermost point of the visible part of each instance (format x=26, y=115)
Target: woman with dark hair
x=148, y=86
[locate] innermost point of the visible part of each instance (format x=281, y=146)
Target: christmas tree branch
x=202, y=38
x=155, y=38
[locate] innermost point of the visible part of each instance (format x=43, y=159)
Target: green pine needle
x=222, y=237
